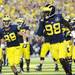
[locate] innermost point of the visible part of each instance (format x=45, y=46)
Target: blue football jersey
x=23, y=28
x=67, y=35
x=51, y=28
x=10, y=36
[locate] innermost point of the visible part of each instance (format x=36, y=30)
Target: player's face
x=6, y=24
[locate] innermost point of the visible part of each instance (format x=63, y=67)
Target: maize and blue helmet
x=48, y=10
x=6, y=21
x=19, y=21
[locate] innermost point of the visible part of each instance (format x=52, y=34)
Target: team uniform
x=51, y=29
x=25, y=47
x=68, y=42
x=1, y=56
x=73, y=37
x=24, y=43
x=13, y=50
x=25, y=50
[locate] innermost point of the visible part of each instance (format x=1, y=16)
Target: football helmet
x=6, y=21
x=19, y=21
x=48, y=10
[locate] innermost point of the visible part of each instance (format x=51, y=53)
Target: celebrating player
x=1, y=56
x=9, y=34
x=24, y=48
x=73, y=37
x=51, y=28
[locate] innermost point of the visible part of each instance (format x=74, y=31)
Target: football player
x=9, y=34
x=68, y=41
x=68, y=45
x=73, y=37
x=24, y=48
x=51, y=28
x=1, y=56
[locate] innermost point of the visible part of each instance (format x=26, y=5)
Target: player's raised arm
x=39, y=33
x=41, y=28
x=66, y=23
x=24, y=31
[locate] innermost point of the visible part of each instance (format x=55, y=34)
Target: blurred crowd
x=30, y=9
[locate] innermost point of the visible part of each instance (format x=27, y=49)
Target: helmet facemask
x=6, y=21
x=20, y=21
x=6, y=24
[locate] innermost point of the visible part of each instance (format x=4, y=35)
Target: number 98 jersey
x=51, y=29
x=10, y=36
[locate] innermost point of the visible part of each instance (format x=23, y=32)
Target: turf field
x=48, y=68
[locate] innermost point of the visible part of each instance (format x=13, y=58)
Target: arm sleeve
x=40, y=29
x=66, y=23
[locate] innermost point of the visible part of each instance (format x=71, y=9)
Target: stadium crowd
x=30, y=9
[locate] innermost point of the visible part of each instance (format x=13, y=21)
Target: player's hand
x=39, y=39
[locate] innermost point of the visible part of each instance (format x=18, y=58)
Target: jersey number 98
x=10, y=37
x=53, y=29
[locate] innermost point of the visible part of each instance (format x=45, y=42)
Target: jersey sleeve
x=40, y=29
x=65, y=23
